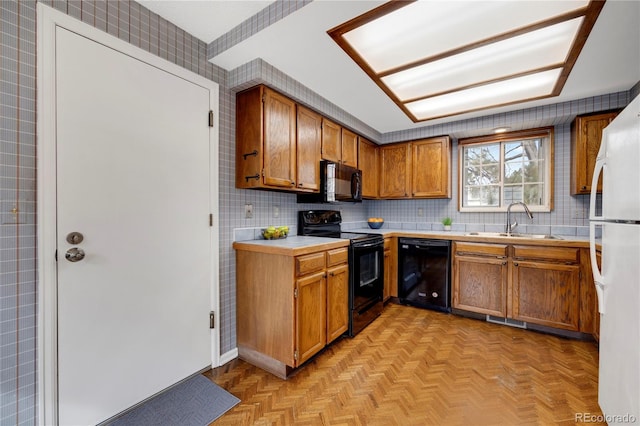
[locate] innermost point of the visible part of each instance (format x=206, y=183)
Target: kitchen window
x=500, y=169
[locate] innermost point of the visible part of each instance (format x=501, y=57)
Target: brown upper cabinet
x=349, y=148
x=395, y=175
x=586, y=135
x=339, y=145
x=331, y=141
x=431, y=175
x=279, y=145
x=416, y=169
x=265, y=140
x=368, y=163
x=308, y=149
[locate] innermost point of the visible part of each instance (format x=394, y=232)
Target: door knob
x=74, y=238
x=74, y=254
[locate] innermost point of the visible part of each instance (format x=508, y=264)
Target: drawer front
x=337, y=256
x=547, y=253
x=480, y=249
x=309, y=263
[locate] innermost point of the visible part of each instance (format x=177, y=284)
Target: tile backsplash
x=255, y=233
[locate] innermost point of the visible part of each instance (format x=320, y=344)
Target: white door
x=133, y=179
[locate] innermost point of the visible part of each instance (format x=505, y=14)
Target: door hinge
x=212, y=319
x=210, y=219
x=262, y=172
x=295, y=293
x=210, y=118
x=295, y=355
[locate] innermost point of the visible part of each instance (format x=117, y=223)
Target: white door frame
x=47, y=20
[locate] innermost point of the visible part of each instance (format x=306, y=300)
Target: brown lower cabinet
x=545, y=285
x=536, y=284
x=479, y=280
x=290, y=307
x=390, y=266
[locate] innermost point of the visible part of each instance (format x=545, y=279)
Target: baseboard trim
x=228, y=356
x=260, y=360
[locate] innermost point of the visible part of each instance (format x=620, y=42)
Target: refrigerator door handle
x=597, y=171
x=600, y=296
x=597, y=275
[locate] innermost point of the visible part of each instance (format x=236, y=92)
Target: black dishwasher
x=424, y=275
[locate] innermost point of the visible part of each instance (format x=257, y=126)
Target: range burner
x=326, y=223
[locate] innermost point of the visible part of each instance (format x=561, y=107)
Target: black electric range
x=327, y=223
x=366, y=263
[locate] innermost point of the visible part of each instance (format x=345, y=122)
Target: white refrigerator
x=618, y=279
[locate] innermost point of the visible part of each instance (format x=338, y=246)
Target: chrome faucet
x=511, y=226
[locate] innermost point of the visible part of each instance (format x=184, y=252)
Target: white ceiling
x=299, y=46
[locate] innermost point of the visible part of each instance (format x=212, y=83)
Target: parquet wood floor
x=419, y=367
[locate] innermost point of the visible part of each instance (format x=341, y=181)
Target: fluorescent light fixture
x=543, y=48
x=503, y=92
x=436, y=58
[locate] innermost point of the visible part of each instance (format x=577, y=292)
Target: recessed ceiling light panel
x=540, y=49
x=426, y=28
x=422, y=53
x=504, y=92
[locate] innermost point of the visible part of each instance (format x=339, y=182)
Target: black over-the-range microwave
x=338, y=183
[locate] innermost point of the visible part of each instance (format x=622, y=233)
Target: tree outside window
x=501, y=169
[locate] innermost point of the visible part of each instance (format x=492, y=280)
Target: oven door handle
x=359, y=246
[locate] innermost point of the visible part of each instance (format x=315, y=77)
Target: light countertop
x=560, y=241
x=295, y=245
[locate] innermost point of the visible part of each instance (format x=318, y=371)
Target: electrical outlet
x=578, y=214
x=248, y=211
x=276, y=211
x=420, y=212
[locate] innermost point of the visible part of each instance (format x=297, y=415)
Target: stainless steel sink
x=538, y=236
x=505, y=235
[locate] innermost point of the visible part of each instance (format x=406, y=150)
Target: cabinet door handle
x=256, y=176
x=252, y=153
x=332, y=274
x=515, y=263
x=293, y=183
x=504, y=263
